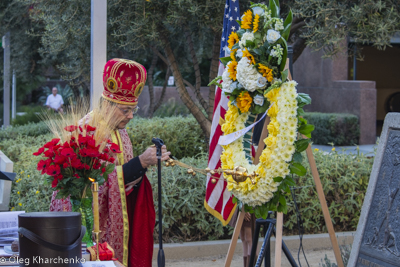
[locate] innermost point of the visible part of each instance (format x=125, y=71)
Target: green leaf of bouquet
x=257, y=51
x=234, y=200
x=289, y=181
x=306, y=129
x=302, y=144
x=257, y=212
x=284, y=74
x=235, y=46
x=274, y=8
x=297, y=157
x=241, y=32
x=285, y=50
x=298, y=169
x=302, y=121
x=215, y=81
x=239, y=22
x=225, y=60
x=264, y=211
x=261, y=109
x=303, y=99
x=250, y=43
x=278, y=179
x=257, y=35
x=300, y=112
x=289, y=19
x=282, y=200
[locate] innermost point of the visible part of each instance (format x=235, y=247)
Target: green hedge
x=182, y=135
x=344, y=178
x=337, y=128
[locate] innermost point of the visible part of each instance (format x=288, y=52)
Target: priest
x=127, y=215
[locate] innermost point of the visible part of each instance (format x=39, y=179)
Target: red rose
x=82, y=140
x=71, y=128
x=76, y=163
x=54, y=183
x=92, y=143
x=76, y=175
x=40, y=151
x=68, y=152
x=84, y=152
x=103, y=170
x=49, y=153
x=59, y=159
x=52, y=143
x=115, y=148
x=104, y=156
x=65, y=165
x=106, y=150
x=42, y=165
x=90, y=128
x=87, y=167
x=93, y=153
x=111, y=159
x=53, y=170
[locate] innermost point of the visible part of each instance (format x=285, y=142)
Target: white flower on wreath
x=239, y=53
x=226, y=81
x=272, y=36
x=258, y=100
x=279, y=25
x=247, y=75
x=247, y=36
x=258, y=11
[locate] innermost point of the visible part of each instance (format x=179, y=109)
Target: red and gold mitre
x=123, y=81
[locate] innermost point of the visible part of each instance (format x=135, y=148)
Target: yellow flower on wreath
x=272, y=95
x=244, y=101
x=247, y=20
x=255, y=22
x=232, y=39
x=247, y=54
x=232, y=66
x=266, y=72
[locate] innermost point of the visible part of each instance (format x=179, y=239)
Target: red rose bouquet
x=81, y=150
x=71, y=163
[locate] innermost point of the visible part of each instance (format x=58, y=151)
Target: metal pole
x=6, y=81
x=98, y=48
x=14, y=96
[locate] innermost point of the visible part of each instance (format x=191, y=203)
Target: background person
x=55, y=101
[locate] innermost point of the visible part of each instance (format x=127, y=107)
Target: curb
x=220, y=247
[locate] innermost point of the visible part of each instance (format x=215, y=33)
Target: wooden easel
x=279, y=219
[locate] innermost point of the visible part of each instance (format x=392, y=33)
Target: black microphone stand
x=161, y=257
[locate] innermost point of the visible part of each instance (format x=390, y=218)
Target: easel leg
x=234, y=239
x=325, y=210
x=278, y=240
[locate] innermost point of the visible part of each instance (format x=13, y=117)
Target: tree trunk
x=205, y=124
x=298, y=47
x=213, y=73
x=196, y=69
x=151, y=86
x=163, y=90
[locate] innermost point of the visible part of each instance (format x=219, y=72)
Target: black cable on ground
x=299, y=226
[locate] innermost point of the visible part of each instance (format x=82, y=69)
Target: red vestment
x=127, y=220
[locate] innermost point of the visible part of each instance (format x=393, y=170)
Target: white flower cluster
x=279, y=25
x=226, y=81
x=246, y=36
x=248, y=76
x=278, y=165
x=277, y=51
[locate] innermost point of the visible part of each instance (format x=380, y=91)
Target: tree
x=328, y=23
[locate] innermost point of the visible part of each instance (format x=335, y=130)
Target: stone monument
x=377, y=240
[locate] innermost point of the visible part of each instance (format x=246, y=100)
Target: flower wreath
x=256, y=82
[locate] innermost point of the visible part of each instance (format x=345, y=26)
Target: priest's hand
x=149, y=157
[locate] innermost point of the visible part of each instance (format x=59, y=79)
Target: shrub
x=337, y=128
x=30, y=129
x=29, y=191
x=184, y=215
x=182, y=135
x=344, y=179
x=29, y=117
x=171, y=108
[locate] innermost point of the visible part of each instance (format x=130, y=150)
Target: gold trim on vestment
x=116, y=138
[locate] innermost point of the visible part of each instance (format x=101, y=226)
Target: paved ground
x=313, y=257
x=367, y=150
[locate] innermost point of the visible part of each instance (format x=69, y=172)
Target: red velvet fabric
x=142, y=219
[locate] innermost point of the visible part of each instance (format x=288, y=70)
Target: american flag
x=218, y=200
